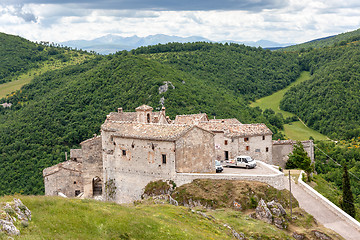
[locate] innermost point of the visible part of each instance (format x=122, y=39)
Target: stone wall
x=195, y=152
x=257, y=147
x=135, y=162
x=276, y=179
x=282, y=148
x=92, y=163
x=64, y=177
x=76, y=155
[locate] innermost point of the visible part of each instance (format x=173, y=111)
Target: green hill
x=18, y=56
x=330, y=102
x=241, y=70
x=340, y=39
x=293, y=130
x=61, y=108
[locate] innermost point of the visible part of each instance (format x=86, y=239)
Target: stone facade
x=92, y=166
x=282, y=148
x=63, y=178
x=135, y=148
x=233, y=139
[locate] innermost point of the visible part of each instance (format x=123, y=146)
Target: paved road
x=322, y=214
x=258, y=170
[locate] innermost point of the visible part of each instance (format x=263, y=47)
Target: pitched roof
x=191, y=118
x=122, y=116
x=227, y=120
x=245, y=130
x=167, y=132
x=214, y=126
x=67, y=165
x=144, y=108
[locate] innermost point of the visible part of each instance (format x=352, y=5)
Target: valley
x=293, y=130
x=65, y=95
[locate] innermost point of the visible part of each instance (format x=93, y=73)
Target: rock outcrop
x=271, y=212
x=12, y=216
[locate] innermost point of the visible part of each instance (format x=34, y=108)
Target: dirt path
x=322, y=214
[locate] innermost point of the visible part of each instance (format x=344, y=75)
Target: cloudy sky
x=283, y=21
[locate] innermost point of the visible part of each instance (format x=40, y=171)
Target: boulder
x=299, y=236
x=272, y=212
x=8, y=227
x=21, y=210
x=321, y=235
x=263, y=213
x=276, y=208
x=12, y=215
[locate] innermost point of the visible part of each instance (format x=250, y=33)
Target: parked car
x=241, y=161
x=219, y=168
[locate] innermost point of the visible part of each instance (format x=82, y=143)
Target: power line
x=337, y=163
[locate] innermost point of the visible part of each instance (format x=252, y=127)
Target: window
x=148, y=118
x=226, y=142
x=263, y=137
x=226, y=155
x=77, y=192
x=247, y=148
x=267, y=149
x=74, y=182
x=164, y=158
x=124, y=152
x=246, y=139
x=257, y=150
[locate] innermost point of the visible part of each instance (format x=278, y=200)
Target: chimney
x=120, y=110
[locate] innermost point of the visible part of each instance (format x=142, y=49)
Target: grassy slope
x=59, y=218
x=25, y=78
x=295, y=130
x=7, y=88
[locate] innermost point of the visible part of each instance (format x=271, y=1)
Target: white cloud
x=293, y=22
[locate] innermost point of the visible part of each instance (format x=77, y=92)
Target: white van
x=241, y=161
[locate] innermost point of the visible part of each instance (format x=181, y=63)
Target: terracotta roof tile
x=169, y=132
x=191, y=118
x=228, y=121
x=67, y=165
x=122, y=116
x=144, y=108
x=244, y=130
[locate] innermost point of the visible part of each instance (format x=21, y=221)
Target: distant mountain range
x=113, y=43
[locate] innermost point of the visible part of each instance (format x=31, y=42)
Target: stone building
x=282, y=148
x=135, y=148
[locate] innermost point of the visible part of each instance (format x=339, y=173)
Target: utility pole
x=290, y=195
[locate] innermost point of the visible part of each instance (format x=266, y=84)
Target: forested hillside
x=337, y=40
x=18, y=55
x=61, y=108
x=243, y=71
x=330, y=102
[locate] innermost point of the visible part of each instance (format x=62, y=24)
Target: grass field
x=7, y=88
x=25, y=78
x=60, y=218
x=294, y=130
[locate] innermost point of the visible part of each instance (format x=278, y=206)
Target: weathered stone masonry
x=135, y=148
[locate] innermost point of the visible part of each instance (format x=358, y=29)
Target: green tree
x=298, y=158
x=347, y=203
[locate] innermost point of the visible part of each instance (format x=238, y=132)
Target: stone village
x=135, y=148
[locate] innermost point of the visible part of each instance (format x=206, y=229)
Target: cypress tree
x=348, y=200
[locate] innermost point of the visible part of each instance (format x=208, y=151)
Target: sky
x=282, y=21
